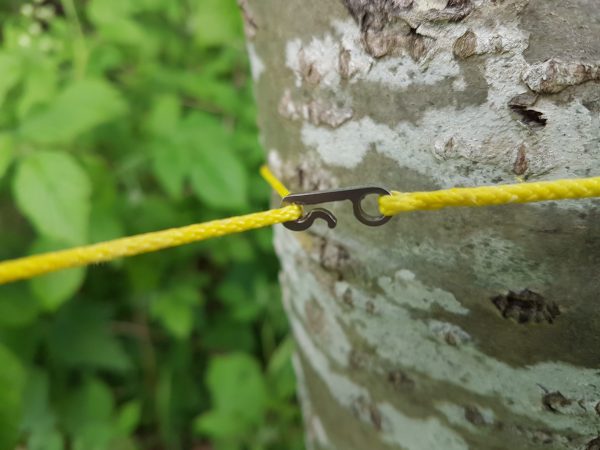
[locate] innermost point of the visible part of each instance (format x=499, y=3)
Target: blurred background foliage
x=120, y=117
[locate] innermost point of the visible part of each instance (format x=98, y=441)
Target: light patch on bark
x=316, y=62
x=519, y=389
x=397, y=72
x=553, y=76
x=466, y=137
x=462, y=136
x=312, y=423
x=419, y=434
x=449, y=333
x=405, y=289
x=457, y=415
x=257, y=67
x=415, y=434
x=498, y=263
x=318, y=112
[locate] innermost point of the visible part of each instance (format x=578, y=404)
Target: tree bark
x=455, y=329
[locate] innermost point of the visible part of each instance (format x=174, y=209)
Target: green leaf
x=239, y=395
x=219, y=425
x=106, y=11
x=10, y=74
x=282, y=379
x=175, y=310
x=216, y=22
x=129, y=418
x=17, y=306
x=79, y=108
x=7, y=152
x=81, y=337
x=39, y=88
x=46, y=440
x=54, y=289
x=217, y=174
x=88, y=416
x=91, y=403
x=11, y=388
x=54, y=192
x=171, y=164
x=164, y=116
x=38, y=415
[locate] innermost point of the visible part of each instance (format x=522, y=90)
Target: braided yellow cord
x=274, y=181
x=490, y=195
x=32, y=266
x=389, y=205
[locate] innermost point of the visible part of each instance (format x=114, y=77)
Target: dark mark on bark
x=318, y=112
x=597, y=408
x=554, y=75
x=391, y=26
x=332, y=257
x=522, y=105
x=399, y=380
x=370, y=307
x=375, y=415
x=473, y=415
x=315, y=317
x=594, y=444
x=466, y=45
x=250, y=26
x=526, y=307
x=366, y=410
x=357, y=359
x=396, y=39
x=347, y=298
x=553, y=401
x=521, y=163
x=375, y=13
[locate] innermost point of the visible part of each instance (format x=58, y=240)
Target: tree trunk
x=454, y=329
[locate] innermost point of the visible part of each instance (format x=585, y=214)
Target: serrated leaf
x=79, y=108
x=54, y=192
x=7, y=153
x=54, y=289
x=11, y=387
x=217, y=174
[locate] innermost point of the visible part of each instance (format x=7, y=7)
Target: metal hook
x=356, y=195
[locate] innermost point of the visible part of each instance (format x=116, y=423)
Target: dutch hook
x=356, y=195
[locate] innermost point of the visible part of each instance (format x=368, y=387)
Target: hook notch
x=354, y=194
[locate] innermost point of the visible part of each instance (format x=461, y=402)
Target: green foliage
x=120, y=117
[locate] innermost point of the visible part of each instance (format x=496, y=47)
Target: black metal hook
x=356, y=195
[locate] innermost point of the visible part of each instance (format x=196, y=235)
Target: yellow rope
x=398, y=202
x=490, y=195
x=274, y=181
x=32, y=266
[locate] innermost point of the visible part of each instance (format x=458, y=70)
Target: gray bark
x=455, y=329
